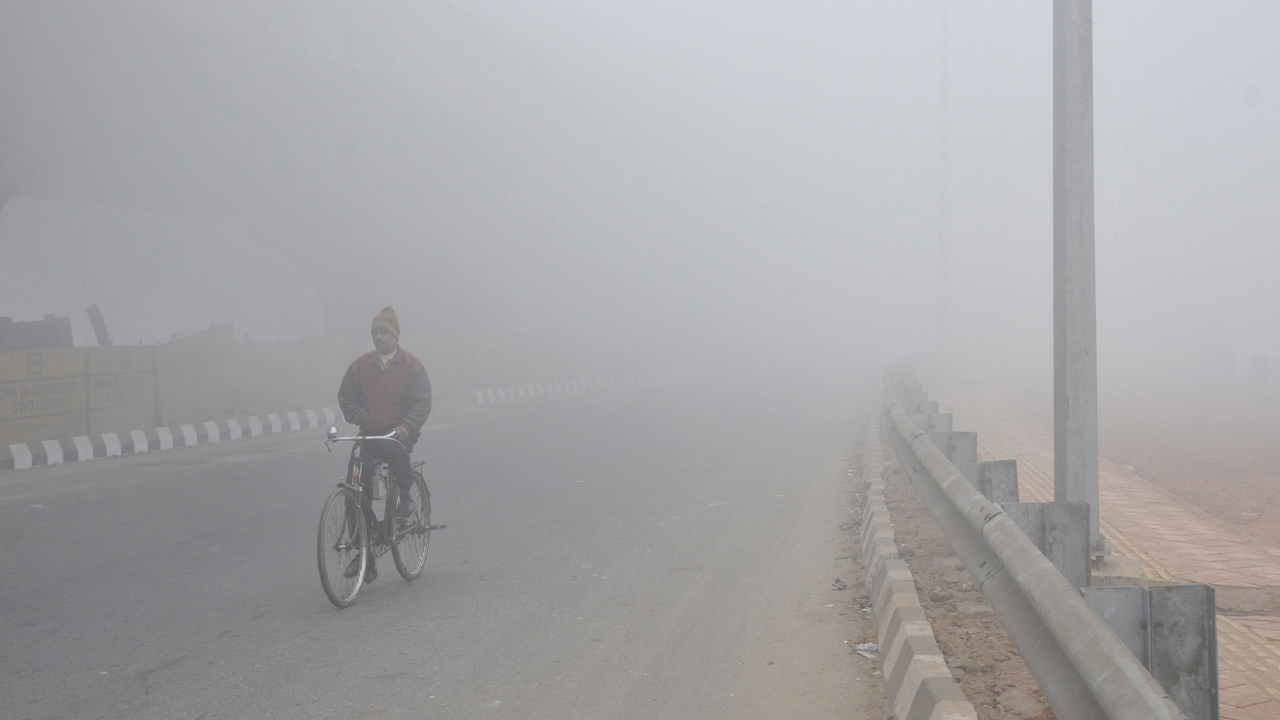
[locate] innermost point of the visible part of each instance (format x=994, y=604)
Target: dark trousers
x=397, y=459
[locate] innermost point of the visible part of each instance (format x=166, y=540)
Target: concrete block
x=889, y=572
x=933, y=692
x=84, y=447
x=22, y=459
x=906, y=606
x=875, y=523
x=878, y=527
x=908, y=621
x=941, y=440
x=918, y=660
x=1172, y=630
x=15, y=457
x=893, y=595
x=878, y=535
x=953, y=710
x=963, y=448
x=873, y=518
x=959, y=447
x=875, y=510
x=1060, y=531
x=996, y=479
x=1184, y=647
x=999, y=480
x=1125, y=611
x=881, y=550
x=877, y=559
x=52, y=452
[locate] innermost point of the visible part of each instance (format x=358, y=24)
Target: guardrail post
x=997, y=479
x=1172, y=630
x=935, y=422
x=1060, y=531
x=959, y=447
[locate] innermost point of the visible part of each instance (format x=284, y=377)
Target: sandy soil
x=988, y=667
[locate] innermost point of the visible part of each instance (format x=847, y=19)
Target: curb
x=22, y=456
x=81, y=448
x=917, y=678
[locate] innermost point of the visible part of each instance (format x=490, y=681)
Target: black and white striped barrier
x=87, y=447
x=570, y=387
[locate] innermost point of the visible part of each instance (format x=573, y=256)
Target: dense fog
x=751, y=186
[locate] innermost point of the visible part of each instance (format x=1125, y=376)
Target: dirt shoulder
x=800, y=661
x=981, y=656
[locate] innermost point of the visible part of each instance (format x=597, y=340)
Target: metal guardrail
x=1082, y=667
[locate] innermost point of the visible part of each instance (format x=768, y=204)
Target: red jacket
x=378, y=400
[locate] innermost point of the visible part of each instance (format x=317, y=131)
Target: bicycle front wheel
x=412, y=536
x=340, y=547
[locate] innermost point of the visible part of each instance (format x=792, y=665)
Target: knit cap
x=387, y=320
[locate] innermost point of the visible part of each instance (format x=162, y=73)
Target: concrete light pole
x=1075, y=362
x=943, y=281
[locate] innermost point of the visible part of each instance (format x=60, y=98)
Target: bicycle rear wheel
x=413, y=532
x=342, y=539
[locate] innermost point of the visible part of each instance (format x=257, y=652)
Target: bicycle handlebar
x=333, y=437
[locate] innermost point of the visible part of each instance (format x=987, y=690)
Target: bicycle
x=350, y=528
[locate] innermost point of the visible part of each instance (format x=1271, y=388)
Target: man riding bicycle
x=387, y=391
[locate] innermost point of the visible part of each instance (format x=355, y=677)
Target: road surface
x=645, y=555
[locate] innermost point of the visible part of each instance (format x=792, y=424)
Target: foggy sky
x=658, y=181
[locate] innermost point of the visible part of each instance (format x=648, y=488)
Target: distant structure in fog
x=51, y=332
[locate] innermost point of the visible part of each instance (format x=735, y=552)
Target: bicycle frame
x=353, y=535
x=382, y=531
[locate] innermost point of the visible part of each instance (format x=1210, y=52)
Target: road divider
x=21, y=456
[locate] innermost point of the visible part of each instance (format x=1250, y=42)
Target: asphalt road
x=604, y=559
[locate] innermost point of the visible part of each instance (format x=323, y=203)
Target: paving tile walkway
x=1175, y=541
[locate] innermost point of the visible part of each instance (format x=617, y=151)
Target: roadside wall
x=68, y=392
x=72, y=392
